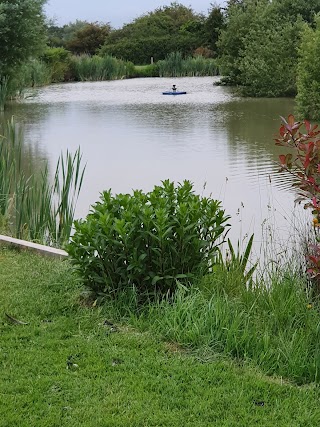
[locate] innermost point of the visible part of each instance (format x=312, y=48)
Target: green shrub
x=150, y=70
x=147, y=241
x=308, y=81
x=58, y=60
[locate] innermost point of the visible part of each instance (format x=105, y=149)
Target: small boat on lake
x=174, y=91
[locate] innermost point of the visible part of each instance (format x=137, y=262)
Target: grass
x=275, y=328
x=125, y=377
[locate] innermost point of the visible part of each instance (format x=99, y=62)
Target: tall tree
x=212, y=27
x=308, y=81
x=89, y=38
x=22, y=32
x=167, y=29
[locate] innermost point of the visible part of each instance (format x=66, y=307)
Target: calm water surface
x=132, y=136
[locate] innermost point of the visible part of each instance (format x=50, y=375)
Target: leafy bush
x=58, y=60
x=150, y=70
x=308, y=81
x=147, y=241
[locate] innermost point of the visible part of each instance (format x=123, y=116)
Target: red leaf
x=282, y=159
x=307, y=125
x=291, y=121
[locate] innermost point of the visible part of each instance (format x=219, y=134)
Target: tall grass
x=33, y=73
x=273, y=326
x=3, y=91
x=176, y=66
x=31, y=205
x=96, y=68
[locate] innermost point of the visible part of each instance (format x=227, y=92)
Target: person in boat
x=174, y=89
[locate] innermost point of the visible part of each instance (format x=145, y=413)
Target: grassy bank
x=123, y=377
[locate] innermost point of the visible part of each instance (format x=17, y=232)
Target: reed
x=31, y=206
x=97, y=68
x=176, y=66
x=3, y=91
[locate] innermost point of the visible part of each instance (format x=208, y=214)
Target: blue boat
x=176, y=92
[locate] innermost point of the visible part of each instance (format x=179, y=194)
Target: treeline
x=267, y=48
x=155, y=34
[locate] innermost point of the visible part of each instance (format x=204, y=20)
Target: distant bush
x=58, y=60
x=147, y=241
x=151, y=70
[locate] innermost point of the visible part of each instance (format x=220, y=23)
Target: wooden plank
x=34, y=247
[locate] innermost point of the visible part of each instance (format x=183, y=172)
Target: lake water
x=132, y=136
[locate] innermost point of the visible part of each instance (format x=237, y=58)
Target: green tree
x=22, y=32
x=212, y=27
x=156, y=34
x=60, y=36
x=259, y=44
x=240, y=16
x=89, y=38
x=268, y=63
x=308, y=81
x=290, y=9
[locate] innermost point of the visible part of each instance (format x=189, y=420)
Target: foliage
x=124, y=378
x=213, y=24
x=88, y=39
x=97, y=68
x=176, y=66
x=18, y=46
x=60, y=36
x=259, y=44
x=148, y=241
x=150, y=70
x=291, y=9
x=167, y=29
x=303, y=165
x=32, y=207
x=141, y=50
x=268, y=64
x=308, y=81
x=58, y=60
x=239, y=18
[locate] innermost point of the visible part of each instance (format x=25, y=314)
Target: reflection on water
x=132, y=136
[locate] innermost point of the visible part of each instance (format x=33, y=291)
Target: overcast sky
x=116, y=12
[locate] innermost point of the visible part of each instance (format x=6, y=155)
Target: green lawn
x=123, y=377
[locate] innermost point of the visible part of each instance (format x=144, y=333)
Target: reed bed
x=97, y=68
x=33, y=207
x=176, y=66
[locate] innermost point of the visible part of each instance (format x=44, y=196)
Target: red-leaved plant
x=303, y=163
